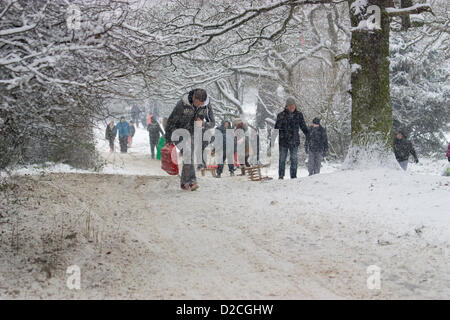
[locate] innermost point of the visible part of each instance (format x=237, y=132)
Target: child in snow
x=316, y=146
x=222, y=145
x=448, y=152
x=162, y=140
x=402, y=149
x=131, y=134
x=110, y=135
x=447, y=169
x=241, y=140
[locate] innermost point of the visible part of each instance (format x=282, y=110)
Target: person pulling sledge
x=192, y=110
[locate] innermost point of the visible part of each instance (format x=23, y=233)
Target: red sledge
x=169, y=160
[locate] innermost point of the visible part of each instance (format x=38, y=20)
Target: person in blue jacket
x=123, y=128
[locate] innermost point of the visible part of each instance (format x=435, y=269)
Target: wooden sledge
x=212, y=169
x=254, y=173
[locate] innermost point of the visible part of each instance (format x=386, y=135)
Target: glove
x=324, y=154
x=416, y=160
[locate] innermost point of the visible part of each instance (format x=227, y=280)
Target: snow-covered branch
x=415, y=9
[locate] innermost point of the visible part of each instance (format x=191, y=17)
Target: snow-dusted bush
x=48, y=76
x=420, y=91
x=371, y=152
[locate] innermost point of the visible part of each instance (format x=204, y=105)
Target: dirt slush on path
x=132, y=248
x=141, y=237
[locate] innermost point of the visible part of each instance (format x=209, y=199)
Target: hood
x=222, y=125
x=403, y=132
x=188, y=99
x=238, y=123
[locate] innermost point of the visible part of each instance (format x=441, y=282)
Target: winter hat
x=237, y=122
x=290, y=101
x=316, y=120
x=402, y=132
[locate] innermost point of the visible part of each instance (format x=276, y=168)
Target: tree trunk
x=406, y=20
x=369, y=57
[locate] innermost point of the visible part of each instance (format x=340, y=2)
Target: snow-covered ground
x=134, y=234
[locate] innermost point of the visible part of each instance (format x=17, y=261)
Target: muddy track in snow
x=148, y=239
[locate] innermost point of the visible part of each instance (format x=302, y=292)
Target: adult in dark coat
x=403, y=148
x=316, y=146
x=222, y=146
x=193, y=110
x=136, y=114
x=289, y=122
x=144, y=119
x=154, y=133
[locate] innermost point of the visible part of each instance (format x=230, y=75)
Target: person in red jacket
x=448, y=152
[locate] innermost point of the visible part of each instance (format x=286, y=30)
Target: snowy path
x=166, y=243
x=233, y=239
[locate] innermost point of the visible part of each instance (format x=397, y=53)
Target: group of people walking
x=138, y=115
x=194, y=110
x=289, y=122
x=126, y=132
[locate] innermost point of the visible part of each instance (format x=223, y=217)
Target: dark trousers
x=153, y=145
x=220, y=166
x=111, y=143
x=204, y=158
x=188, y=170
x=123, y=144
x=314, y=162
x=293, y=150
x=136, y=120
